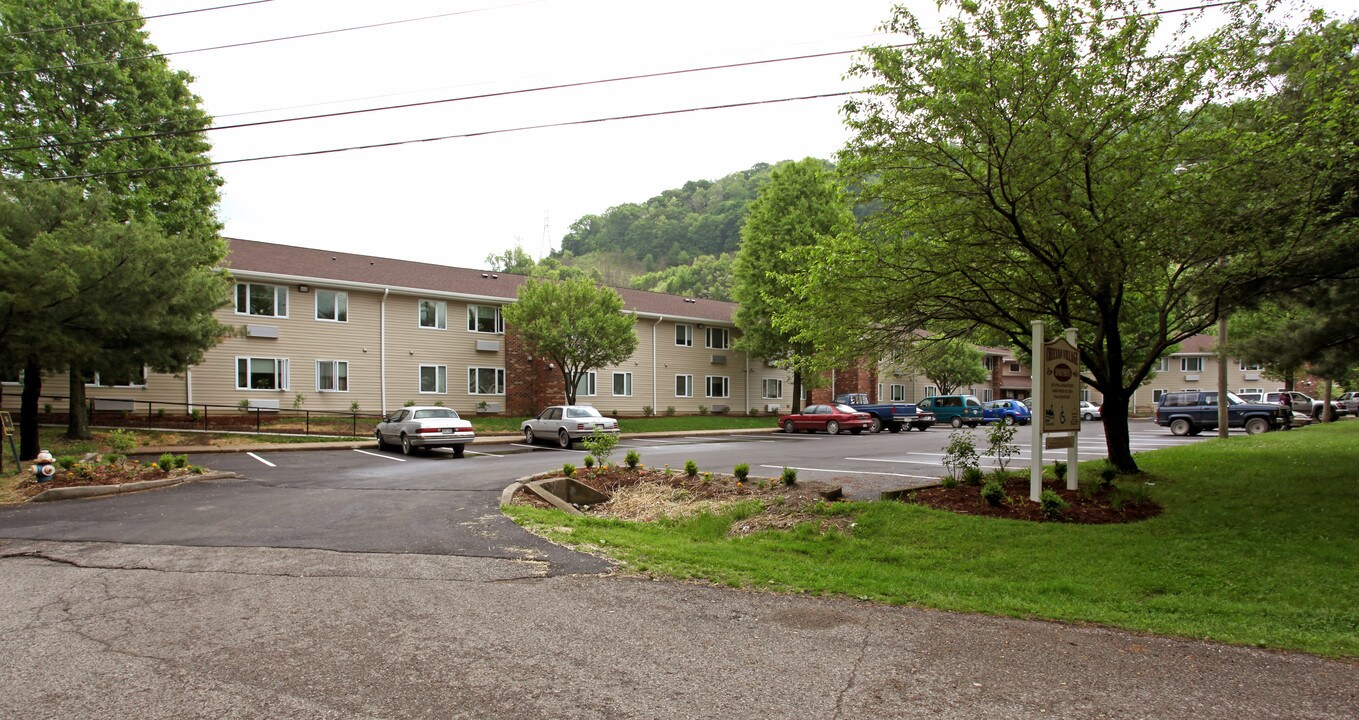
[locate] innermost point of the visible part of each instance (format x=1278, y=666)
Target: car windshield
x=580, y=412
x=435, y=413
x=844, y=409
x=1234, y=399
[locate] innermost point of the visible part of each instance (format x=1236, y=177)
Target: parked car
x=1010, y=412
x=1349, y=403
x=1090, y=411
x=566, y=424
x=831, y=418
x=1305, y=404
x=419, y=426
x=892, y=416
x=1190, y=412
x=957, y=410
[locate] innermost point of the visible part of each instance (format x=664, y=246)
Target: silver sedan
x=424, y=427
x=566, y=424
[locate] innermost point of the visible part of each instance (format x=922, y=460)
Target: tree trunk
x=1116, y=437
x=570, y=386
x=797, y=391
x=1327, y=413
x=77, y=417
x=28, y=411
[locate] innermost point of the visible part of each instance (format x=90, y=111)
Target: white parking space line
x=379, y=455
x=852, y=472
x=257, y=457
x=784, y=436
x=469, y=452
x=544, y=447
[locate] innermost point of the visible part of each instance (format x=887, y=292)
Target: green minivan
x=956, y=410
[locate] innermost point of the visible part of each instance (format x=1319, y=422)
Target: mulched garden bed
x=94, y=472
x=1106, y=504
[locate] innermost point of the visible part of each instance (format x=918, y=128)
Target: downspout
x=747, y=382
x=654, y=328
x=382, y=348
x=188, y=390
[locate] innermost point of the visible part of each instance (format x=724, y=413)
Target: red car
x=831, y=418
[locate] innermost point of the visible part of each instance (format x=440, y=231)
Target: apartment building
x=338, y=331
x=1194, y=367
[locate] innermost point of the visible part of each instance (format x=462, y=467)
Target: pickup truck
x=1192, y=411
x=892, y=416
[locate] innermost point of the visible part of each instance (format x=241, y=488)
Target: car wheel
x=875, y=426
x=922, y=428
x=563, y=440
x=956, y=422
x=528, y=436
x=1087, y=416
x=1007, y=420
x=895, y=428
x=1255, y=426
x=1180, y=426
x=458, y=450
x=972, y=425
x=406, y=447
x=1317, y=413
x=855, y=431
x=832, y=427
x=788, y=427
x=382, y=444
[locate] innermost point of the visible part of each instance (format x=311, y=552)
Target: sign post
x=7, y=433
x=1056, y=403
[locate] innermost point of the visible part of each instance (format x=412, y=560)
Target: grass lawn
x=1258, y=545
x=679, y=423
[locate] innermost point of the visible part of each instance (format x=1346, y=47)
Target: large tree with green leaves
x=706, y=277
x=576, y=323
x=801, y=205
x=1049, y=161
x=84, y=102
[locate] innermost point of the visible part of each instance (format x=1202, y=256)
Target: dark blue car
x=1010, y=412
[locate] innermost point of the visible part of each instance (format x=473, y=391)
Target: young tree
x=578, y=325
x=1045, y=160
x=799, y=206
x=950, y=364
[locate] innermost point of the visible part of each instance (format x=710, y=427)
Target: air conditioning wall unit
x=772, y=407
x=1191, y=378
x=719, y=359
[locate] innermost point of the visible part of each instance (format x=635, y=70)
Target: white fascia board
x=323, y=282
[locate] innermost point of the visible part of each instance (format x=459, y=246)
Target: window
x=332, y=376
x=1156, y=396
x=1085, y=395
x=332, y=305
x=931, y=390
x=12, y=377
x=986, y=394
x=718, y=339
x=585, y=384
x=718, y=386
x=485, y=319
x=434, y=314
x=134, y=378
x=486, y=381
x=684, y=386
x=990, y=362
x=622, y=384
x=1252, y=367
x=254, y=373
x=1163, y=365
x=684, y=335
x=1015, y=367
x=879, y=395
x=265, y=300
x=1251, y=391
x=1191, y=364
x=434, y=379
x=771, y=388
x=898, y=393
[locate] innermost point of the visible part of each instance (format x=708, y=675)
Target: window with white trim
x=262, y=300
x=332, y=305
x=622, y=384
x=898, y=393
x=133, y=379
x=434, y=379
x=1015, y=367
x=1249, y=367
x=12, y=377
x=684, y=334
x=718, y=386
x=771, y=389
x=256, y=373
x=684, y=386
x=984, y=395
x=1163, y=365
x=931, y=390
x=585, y=384
x=332, y=376
x=1191, y=364
x=486, y=381
x=718, y=339
x=1251, y=391
x=1156, y=396
x=434, y=314
x=1085, y=395
x=485, y=319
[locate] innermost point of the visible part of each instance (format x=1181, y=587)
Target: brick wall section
x=530, y=385
x=858, y=378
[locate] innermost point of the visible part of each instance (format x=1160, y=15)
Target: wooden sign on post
x=1061, y=387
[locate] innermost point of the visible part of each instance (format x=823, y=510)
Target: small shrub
x=299, y=400
x=243, y=405
x=647, y=411
x=197, y=469
x=589, y=461
x=601, y=445
x=707, y=477
x=632, y=459
x=122, y=441
x=166, y=461
x=193, y=414
x=47, y=408
x=1000, y=443
x=1054, y=507
x=948, y=482
x=690, y=468
x=66, y=462
x=702, y=409
x=973, y=476
x=741, y=471
x=669, y=410
x=160, y=413
x=993, y=492
x=568, y=470
x=753, y=412
x=354, y=407
x=112, y=458
x=1088, y=489
x=1107, y=474
x=1136, y=495
x=439, y=403
x=409, y=403
x=960, y=453
x=762, y=484
x=1059, y=470
x=789, y=476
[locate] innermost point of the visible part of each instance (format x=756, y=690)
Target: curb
x=85, y=491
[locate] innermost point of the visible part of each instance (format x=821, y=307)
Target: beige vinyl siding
x=159, y=388
x=409, y=346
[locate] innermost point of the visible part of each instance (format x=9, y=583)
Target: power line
x=479, y=133
x=248, y=43
x=120, y=21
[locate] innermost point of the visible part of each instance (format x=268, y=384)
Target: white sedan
x=424, y=427
x=566, y=424
x=1089, y=410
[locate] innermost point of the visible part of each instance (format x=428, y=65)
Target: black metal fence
x=159, y=415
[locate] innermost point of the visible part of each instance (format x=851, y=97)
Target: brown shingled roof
x=320, y=265
x=1198, y=344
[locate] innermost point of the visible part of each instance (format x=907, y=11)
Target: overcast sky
x=455, y=201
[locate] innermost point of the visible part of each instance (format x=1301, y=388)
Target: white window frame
x=688, y=339
x=97, y=380
x=1156, y=395
x=1252, y=367
x=339, y=306
x=440, y=380
x=1163, y=365
x=591, y=383
x=281, y=371
x=474, y=380
x=764, y=389
x=339, y=372
x=1184, y=364
x=440, y=314
x=280, y=299
x=1251, y=391
x=708, y=386
x=931, y=390
x=474, y=319
x=898, y=392
x=1085, y=395
x=688, y=385
x=985, y=394
x=18, y=379
x=627, y=384
x=708, y=339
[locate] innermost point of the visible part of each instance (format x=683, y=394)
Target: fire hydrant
x=45, y=466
